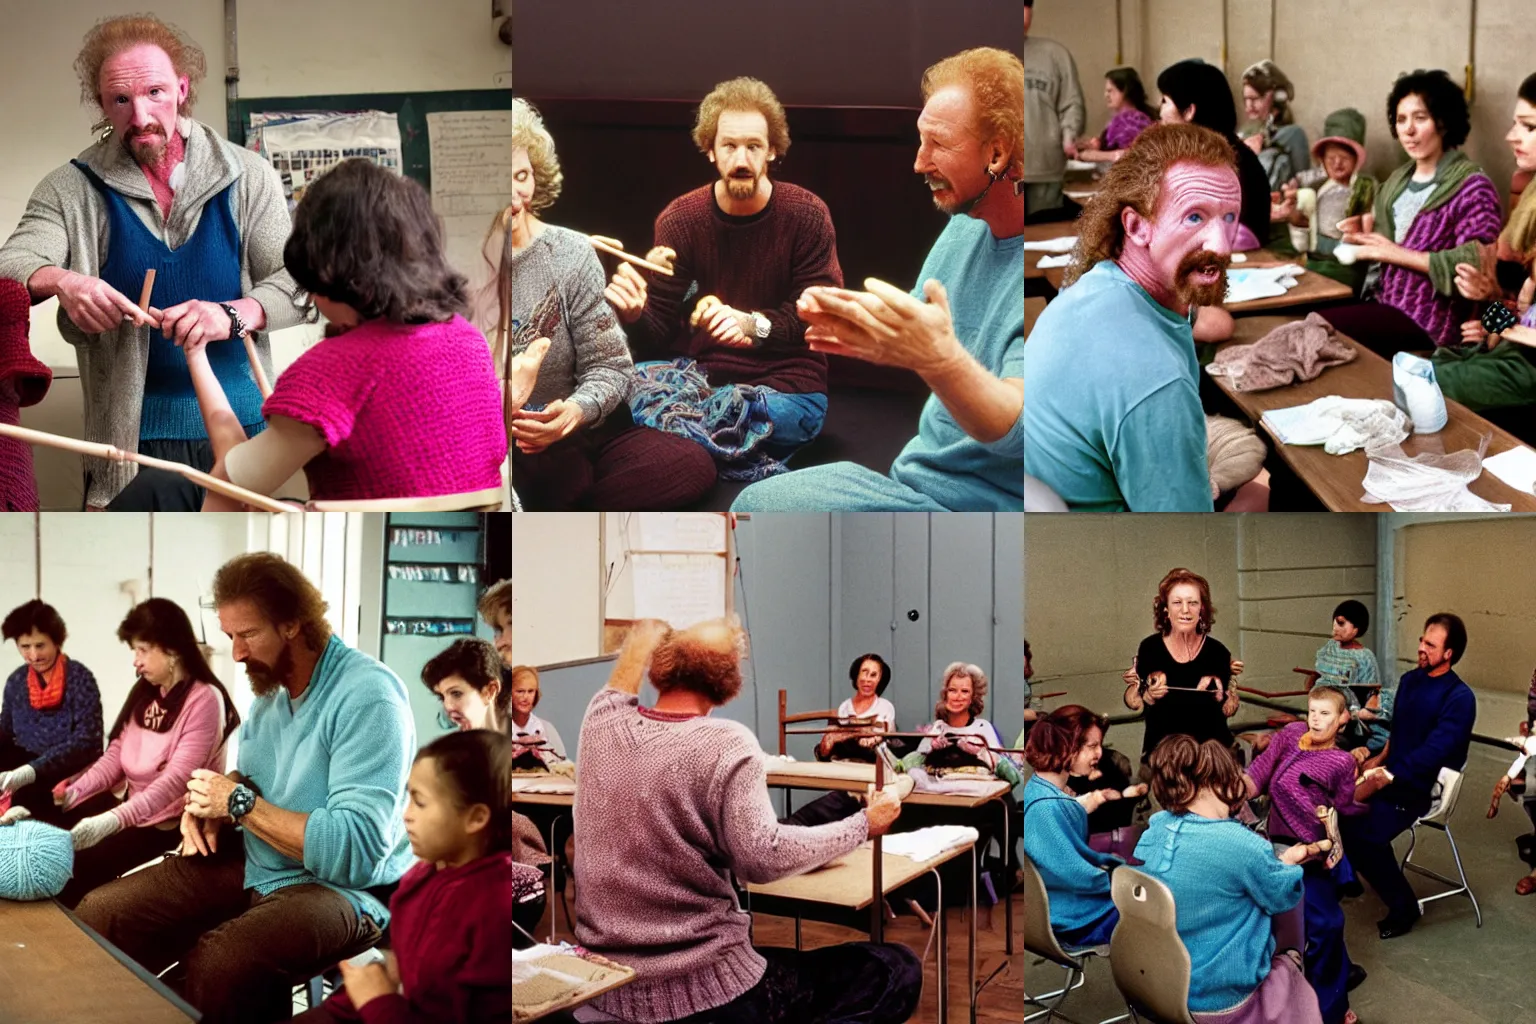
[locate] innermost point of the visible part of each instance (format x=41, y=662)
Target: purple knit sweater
x=1123, y=129
x=1278, y=771
x=1472, y=215
x=667, y=809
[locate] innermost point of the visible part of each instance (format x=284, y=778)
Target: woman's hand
x=1236, y=667
x=1208, y=682
x=1363, y=222
x=1473, y=333
x=1157, y=688
x=939, y=742
x=1094, y=799
x=1132, y=677
x=1371, y=246
x=869, y=742
x=525, y=372
x=367, y=983
x=536, y=431
x=62, y=798
x=1480, y=283
x=883, y=810
x=1306, y=851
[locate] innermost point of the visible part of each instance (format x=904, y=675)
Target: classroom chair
x=1146, y=956
x=1041, y=940
x=1447, y=791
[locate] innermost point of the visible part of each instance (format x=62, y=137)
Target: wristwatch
x=237, y=322
x=241, y=799
x=761, y=325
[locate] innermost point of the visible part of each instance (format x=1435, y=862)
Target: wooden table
x=53, y=968
x=566, y=799
x=848, y=882
x=1311, y=289
x=1337, y=479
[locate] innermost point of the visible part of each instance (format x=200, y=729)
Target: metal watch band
x=237, y=322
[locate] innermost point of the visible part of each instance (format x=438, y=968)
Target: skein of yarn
x=36, y=860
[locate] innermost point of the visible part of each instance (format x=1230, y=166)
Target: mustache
x=1203, y=260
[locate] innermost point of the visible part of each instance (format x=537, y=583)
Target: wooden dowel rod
x=256, y=370
x=147, y=290
x=603, y=246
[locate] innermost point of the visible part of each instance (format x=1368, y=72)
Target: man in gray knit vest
x=655, y=873
x=1053, y=109
x=158, y=191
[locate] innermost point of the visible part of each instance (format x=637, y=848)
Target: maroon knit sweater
x=23, y=381
x=668, y=807
x=757, y=264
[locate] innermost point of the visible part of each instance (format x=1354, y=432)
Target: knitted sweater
x=65, y=225
x=1053, y=108
x=451, y=934
x=62, y=739
x=157, y=765
x=340, y=755
x=1352, y=671
x=668, y=809
x=1227, y=883
x=406, y=410
x=1123, y=129
x=588, y=361
x=758, y=264
x=1447, y=227
x=1431, y=729
x=24, y=381
x=1056, y=841
x=1278, y=772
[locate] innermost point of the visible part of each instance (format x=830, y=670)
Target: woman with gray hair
x=962, y=743
x=574, y=444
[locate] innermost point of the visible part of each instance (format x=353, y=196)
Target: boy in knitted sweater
x=656, y=874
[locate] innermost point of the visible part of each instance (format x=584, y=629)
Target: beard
x=264, y=678
x=147, y=144
x=741, y=185
x=956, y=207
x=1195, y=293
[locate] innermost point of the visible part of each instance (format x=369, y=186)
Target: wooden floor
x=1001, y=1002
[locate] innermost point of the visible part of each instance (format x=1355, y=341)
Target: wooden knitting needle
x=107, y=451
x=614, y=247
x=147, y=290
x=256, y=370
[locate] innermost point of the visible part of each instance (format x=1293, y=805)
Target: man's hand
x=1472, y=331
x=536, y=431
x=883, y=810
x=367, y=983
x=883, y=325
x=199, y=836
x=208, y=795
x=1372, y=782
x=95, y=306
x=730, y=327
x=193, y=324
x=1070, y=148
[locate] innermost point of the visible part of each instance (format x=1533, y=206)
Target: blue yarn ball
x=36, y=860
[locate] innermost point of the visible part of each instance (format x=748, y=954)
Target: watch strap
x=238, y=329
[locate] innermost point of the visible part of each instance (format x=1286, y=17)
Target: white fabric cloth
x=928, y=843
x=1063, y=244
x=1052, y=262
x=881, y=709
x=1251, y=283
x=1340, y=425
x=1425, y=482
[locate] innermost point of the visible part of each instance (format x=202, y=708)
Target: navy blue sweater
x=1431, y=729
x=62, y=740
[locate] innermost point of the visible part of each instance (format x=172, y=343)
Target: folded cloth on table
x=928, y=843
x=1251, y=283
x=1340, y=425
x=1063, y=244
x=1427, y=482
x=959, y=785
x=1297, y=351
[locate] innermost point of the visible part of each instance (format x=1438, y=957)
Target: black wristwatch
x=237, y=322
x=241, y=799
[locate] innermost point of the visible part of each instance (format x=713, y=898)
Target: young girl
x=451, y=961
x=1229, y=887
x=1065, y=743
x=1126, y=99
x=1307, y=775
x=1349, y=666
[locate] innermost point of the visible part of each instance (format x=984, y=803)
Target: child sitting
x=452, y=956
x=1316, y=200
x=1348, y=666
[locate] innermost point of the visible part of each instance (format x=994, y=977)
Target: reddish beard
x=1194, y=294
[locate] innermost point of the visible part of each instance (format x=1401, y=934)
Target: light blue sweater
x=1227, y=883
x=1056, y=840
x=983, y=277
x=340, y=755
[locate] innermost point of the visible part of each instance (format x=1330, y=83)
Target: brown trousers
x=242, y=952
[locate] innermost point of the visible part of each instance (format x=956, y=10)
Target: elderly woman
x=1431, y=214
x=1272, y=133
x=960, y=741
x=1181, y=675
x=50, y=715
x=656, y=874
x=867, y=710
x=575, y=446
x=176, y=719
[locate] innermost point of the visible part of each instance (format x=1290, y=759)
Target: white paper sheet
x=1051, y=262
x=1062, y=244
x=471, y=180
x=1251, y=283
x=303, y=146
x=679, y=531
x=679, y=589
x=1516, y=467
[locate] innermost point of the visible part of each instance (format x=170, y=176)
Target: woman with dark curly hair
x=1130, y=115
x=1431, y=214
x=1181, y=676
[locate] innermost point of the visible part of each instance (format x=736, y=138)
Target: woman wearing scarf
x=176, y=719
x=50, y=715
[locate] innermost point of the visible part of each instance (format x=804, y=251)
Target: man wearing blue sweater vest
x=318, y=801
x=1431, y=729
x=961, y=329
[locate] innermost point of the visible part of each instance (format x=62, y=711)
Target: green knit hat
x=1345, y=128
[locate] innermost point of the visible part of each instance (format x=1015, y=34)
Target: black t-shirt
x=1184, y=709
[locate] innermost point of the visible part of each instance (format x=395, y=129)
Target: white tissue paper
x=1417, y=392
x=1050, y=262
x=1062, y=244
x=1251, y=283
x=1426, y=482
x=1516, y=467
x=1340, y=425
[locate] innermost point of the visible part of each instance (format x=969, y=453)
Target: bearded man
x=158, y=191
x=1112, y=416
x=319, y=797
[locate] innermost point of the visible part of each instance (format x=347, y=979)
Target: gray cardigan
x=65, y=225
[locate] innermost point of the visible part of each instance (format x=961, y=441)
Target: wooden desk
x=854, y=777
x=567, y=800
x=53, y=968
x=525, y=1014
x=1311, y=289
x=1337, y=479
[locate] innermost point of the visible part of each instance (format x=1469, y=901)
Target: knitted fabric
x=1279, y=770
x=36, y=861
x=47, y=692
x=731, y=422
x=406, y=411
x=1056, y=841
x=1432, y=729
x=65, y=738
x=1123, y=129
x=1297, y=351
x=23, y=381
x=1234, y=453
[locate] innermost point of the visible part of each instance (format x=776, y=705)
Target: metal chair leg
x=1075, y=980
x=1465, y=885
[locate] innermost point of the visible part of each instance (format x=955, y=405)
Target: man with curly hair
x=157, y=191
x=1112, y=420
x=752, y=245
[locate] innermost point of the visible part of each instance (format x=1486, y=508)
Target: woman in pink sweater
x=176, y=719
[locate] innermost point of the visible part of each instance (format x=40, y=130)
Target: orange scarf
x=47, y=693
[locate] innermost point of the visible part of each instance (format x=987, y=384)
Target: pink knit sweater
x=667, y=809
x=157, y=765
x=406, y=410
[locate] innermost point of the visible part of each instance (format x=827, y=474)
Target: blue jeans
x=836, y=487
x=797, y=419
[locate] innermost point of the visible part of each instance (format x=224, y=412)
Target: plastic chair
x=1041, y=940
x=1443, y=804
x=1146, y=956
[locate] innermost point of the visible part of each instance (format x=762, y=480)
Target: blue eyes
x=1230, y=218
x=1196, y=218
x=1193, y=218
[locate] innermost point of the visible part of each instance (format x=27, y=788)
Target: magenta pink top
x=406, y=410
x=157, y=765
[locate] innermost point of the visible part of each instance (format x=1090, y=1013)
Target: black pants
x=1368, y=838
x=160, y=490
x=108, y=859
x=853, y=983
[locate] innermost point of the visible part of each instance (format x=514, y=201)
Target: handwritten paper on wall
x=679, y=589
x=680, y=531
x=471, y=153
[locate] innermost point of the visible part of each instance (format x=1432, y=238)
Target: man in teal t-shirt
x=961, y=329
x=1112, y=416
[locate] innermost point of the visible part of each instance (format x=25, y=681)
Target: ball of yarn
x=36, y=860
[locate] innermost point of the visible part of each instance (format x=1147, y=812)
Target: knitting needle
x=149, y=287
x=256, y=370
x=614, y=247
x=107, y=451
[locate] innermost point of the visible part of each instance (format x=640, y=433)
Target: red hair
x=1057, y=738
